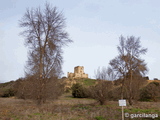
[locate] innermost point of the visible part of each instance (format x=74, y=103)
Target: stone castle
x=78, y=73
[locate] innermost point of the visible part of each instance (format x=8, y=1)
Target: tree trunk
x=122, y=88
x=40, y=91
x=130, y=101
x=130, y=90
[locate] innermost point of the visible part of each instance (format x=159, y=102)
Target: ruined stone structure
x=78, y=73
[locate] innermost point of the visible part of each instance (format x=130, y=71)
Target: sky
x=95, y=27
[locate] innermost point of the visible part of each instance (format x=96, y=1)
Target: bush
x=8, y=92
x=78, y=91
x=29, y=88
x=101, y=91
x=144, y=95
x=150, y=92
x=115, y=93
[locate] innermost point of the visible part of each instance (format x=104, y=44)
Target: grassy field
x=68, y=108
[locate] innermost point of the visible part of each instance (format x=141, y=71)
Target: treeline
x=104, y=91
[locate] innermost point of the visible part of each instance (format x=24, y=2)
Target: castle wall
x=70, y=75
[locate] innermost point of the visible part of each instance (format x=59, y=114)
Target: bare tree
x=44, y=36
x=105, y=74
x=101, y=90
x=128, y=64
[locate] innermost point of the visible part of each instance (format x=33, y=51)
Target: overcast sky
x=95, y=27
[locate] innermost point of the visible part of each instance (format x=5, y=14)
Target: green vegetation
x=81, y=106
x=7, y=89
x=138, y=110
x=78, y=91
x=89, y=82
x=99, y=118
x=8, y=92
x=76, y=108
x=150, y=92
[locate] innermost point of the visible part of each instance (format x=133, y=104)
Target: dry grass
x=66, y=108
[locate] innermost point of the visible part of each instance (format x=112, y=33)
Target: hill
x=7, y=89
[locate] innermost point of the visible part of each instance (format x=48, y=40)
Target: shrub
x=8, y=92
x=115, y=94
x=150, y=92
x=78, y=91
x=29, y=88
x=101, y=90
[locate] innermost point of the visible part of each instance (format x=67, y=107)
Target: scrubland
x=69, y=108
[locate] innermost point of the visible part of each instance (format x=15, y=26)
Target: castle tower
x=78, y=73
